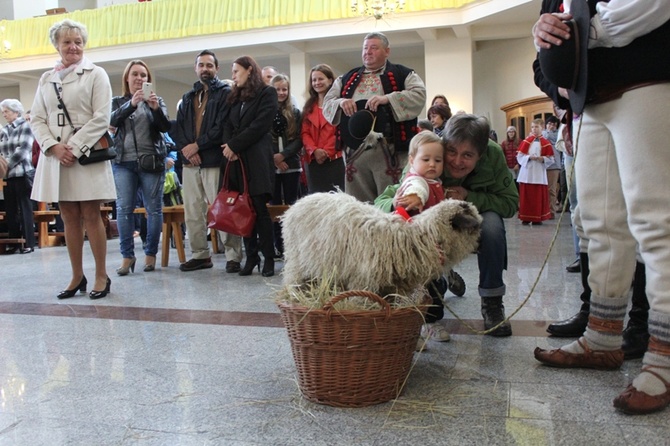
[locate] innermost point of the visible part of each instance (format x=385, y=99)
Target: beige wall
x=503, y=73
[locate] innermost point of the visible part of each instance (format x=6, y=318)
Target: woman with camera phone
x=138, y=118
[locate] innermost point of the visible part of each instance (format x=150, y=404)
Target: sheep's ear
x=464, y=221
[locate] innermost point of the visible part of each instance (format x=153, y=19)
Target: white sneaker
x=436, y=332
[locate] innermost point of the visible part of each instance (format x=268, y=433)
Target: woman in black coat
x=246, y=136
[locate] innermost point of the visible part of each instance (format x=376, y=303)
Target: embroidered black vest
x=393, y=79
x=645, y=59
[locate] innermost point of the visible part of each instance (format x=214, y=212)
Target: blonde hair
x=286, y=107
x=420, y=139
x=539, y=122
x=58, y=28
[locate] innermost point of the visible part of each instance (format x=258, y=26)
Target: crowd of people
x=361, y=133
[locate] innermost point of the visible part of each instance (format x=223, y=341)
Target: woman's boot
x=253, y=260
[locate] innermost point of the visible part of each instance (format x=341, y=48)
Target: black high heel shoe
x=268, y=267
x=250, y=265
x=66, y=294
x=99, y=294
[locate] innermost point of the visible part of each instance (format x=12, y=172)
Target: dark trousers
x=19, y=209
x=286, y=192
x=262, y=230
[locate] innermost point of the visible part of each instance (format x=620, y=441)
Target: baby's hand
x=409, y=202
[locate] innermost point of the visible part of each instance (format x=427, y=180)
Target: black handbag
x=102, y=150
x=151, y=163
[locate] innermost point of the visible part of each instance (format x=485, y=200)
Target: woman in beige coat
x=79, y=190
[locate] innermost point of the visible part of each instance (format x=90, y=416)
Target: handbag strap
x=63, y=107
x=244, y=175
x=132, y=128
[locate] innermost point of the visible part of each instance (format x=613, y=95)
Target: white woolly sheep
x=359, y=246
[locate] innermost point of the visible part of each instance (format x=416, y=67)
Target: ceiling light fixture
x=376, y=8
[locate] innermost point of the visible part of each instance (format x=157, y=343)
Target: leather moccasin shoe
x=590, y=359
x=634, y=402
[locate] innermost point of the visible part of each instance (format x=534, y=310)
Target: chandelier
x=376, y=8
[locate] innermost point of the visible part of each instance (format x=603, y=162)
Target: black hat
x=362, y=122
x=566, y=65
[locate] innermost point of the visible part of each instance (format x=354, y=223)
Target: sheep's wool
x=361, y=247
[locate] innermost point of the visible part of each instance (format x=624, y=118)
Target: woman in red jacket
x=323, y=163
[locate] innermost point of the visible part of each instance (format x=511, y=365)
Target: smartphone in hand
x=147, y=88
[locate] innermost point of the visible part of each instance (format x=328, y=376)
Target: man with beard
x=198, y=136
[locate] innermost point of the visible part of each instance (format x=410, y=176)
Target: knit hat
x=511, y=128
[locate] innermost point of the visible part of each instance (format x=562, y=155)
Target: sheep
x=364, y=248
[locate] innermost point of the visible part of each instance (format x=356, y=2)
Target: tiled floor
x=201, y=358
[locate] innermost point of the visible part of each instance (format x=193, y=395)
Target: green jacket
x=490, y=185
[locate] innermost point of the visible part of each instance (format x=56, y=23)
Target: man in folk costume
x=535, y=154
x=396, y=95
x=636, y=333
x=623, y=85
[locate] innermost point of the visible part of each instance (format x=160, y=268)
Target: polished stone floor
x=202, y=358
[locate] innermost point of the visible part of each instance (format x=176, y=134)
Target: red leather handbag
x=232, y=211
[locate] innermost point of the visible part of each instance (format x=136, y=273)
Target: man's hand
x=195, y=160
x=375, y=101
x=189, y=150
x=550, y=30
x=348, y=106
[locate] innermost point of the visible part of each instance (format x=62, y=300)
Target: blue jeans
x=492, y=255
x=129, y=179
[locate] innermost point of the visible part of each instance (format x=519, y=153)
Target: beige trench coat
x=87, y=94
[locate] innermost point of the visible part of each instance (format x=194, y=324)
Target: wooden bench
x=277, y=210
x=173, y=217
x=44, y=216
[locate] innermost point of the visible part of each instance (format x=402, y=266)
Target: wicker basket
x=352, y=358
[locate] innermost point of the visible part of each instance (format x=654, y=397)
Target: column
x=299, y=72
x=449, y=67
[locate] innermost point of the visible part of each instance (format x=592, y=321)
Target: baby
x=422, y=181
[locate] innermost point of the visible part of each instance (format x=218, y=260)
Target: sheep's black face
x=465, y=220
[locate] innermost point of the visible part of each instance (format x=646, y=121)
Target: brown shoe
x=590, y=359
x=634, y=402
x=233, y=266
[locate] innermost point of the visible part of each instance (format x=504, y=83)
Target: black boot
x=636, y=334
x=493, y=313
x=575, y=326
x=267, y=246
x=253, y=259
x=575, y=266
